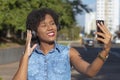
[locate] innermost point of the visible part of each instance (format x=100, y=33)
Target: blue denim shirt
x=53, y=66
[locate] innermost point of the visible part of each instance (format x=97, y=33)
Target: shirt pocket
x=59, y=66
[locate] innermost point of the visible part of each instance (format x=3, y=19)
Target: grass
x=7, y=45
x=1, y=78
x=10, y=45
x=10, y=42
x=64, y=44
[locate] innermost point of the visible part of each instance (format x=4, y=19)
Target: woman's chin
x=51, y=42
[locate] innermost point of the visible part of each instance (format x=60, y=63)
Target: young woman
x=48, y=60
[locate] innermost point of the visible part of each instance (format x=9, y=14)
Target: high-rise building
x=90, y=24
x=108, y=10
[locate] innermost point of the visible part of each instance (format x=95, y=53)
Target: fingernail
x=97, y=23
x=28, y=31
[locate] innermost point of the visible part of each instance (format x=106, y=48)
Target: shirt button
x=45, y=63
x=45, y=60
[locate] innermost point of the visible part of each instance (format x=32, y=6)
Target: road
x=109, y=71
x=111, y=68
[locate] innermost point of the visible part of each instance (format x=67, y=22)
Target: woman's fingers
x=29, y=36
x=101, y=26
x=105, y=34
x=100, y=34
x=33, y=47
x=100, y=39
x=28, y=48
x=104, y=27
x=28, y=39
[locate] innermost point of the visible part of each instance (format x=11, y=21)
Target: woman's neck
x=46, y=47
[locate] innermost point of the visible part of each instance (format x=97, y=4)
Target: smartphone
x=99, y=30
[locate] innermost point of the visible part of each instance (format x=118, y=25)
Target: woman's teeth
x=50, y=34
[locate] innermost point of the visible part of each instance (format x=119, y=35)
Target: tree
x=79, y=7
x=71, y=33
x=13, y=13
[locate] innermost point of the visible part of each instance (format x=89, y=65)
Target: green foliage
x=13, y=13
x=71, y=33
x=79, y=7
x=1, y=78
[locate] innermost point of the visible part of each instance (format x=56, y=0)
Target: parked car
x=89, y=42
x=116, y=41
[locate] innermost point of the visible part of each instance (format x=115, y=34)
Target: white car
x=117, y=41
x=89, y=42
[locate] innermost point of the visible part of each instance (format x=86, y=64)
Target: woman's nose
x=49, y=27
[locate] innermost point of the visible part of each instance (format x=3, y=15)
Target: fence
x=10, y=55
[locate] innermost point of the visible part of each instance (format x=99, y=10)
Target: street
x=111, y=68
x=109, y=71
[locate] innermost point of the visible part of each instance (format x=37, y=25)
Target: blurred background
x=78, y=27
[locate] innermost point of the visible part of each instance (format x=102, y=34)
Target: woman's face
x=47, y=30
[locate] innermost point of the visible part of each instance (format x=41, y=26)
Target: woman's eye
x=43, y=25
x=53, y=23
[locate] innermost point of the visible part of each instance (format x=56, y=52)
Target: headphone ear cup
x=34, y=35
x=34, y=38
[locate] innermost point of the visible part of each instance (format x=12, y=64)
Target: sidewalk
x=8, y=70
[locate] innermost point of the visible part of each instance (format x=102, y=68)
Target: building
x=108, y=10
x=90, y=22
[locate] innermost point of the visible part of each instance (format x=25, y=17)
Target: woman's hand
x=106, y=36
x=28, y=48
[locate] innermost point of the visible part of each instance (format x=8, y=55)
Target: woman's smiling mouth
x=51, y=34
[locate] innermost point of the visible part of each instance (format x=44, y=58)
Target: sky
x=80, y=17
x=91, y=4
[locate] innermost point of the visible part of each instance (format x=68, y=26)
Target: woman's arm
x=92, y=69
x=21, y=73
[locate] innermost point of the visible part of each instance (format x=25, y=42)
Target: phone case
x=99, y=30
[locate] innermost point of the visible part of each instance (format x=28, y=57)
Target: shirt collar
x=55, y=48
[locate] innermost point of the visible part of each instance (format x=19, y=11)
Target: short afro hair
x=36, y=16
